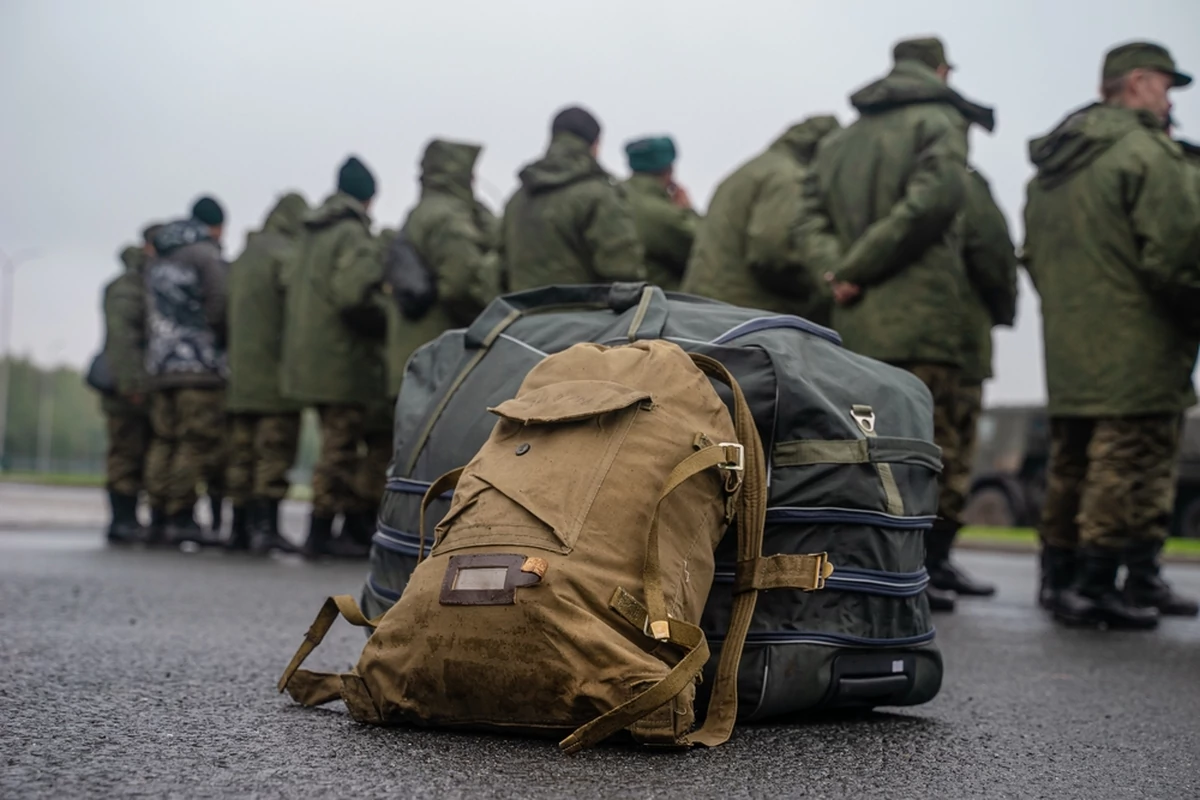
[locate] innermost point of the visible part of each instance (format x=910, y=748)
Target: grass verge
x=52, y=478
x=1026, y=538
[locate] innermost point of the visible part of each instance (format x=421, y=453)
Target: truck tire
x=991, y=505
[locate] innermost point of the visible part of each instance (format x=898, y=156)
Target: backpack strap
x=444, y=483
x=746, y=458
x=317, y=688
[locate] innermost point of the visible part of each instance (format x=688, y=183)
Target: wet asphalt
x=151, y=674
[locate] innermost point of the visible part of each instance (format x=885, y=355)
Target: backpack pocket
x=513, y=492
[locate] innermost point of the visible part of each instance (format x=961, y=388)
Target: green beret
x=356, y=180
x=928, y=50
x=652, y=154
x=1125, y=58
x=208, y=211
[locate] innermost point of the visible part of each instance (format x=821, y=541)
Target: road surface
x=138, y=673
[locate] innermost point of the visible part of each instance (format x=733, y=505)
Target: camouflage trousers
x=188, y=446
x=262, y=448
x=372, y=474
x=128, y=445
x=1111, y=481
x=942, y=380
x=336, y=473
x=957, y=474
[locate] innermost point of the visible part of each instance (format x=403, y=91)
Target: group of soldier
x=881, y=230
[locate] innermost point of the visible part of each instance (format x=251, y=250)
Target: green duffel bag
x=853, y=472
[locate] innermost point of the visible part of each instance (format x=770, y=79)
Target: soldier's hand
x=845, y=293
x=679, y=196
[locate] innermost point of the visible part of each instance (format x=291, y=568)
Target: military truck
x=1008, y=482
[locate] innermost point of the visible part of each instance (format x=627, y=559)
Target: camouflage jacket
x=256, y=304
x=743, y=252
x=185, y=309
x=1112, y=245
x=991, y=263
x=125, y=331
x=332, y=352
x=569, y=223
x=454, y=234
x=665, y=229
x=881, y=210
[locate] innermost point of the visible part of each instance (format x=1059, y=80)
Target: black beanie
x=356, y=180
x=208, y=211
x=577, y=121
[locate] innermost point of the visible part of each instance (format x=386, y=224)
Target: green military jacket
x=882, y=210
x=991, y=264
x=125, y=333
x=569, y=223
x=329, y=355
x=666, y=230
x=1112, y=244
x=743, y=252
x=256, y=306
x=454, y=234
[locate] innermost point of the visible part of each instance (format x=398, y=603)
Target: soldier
x=991, y=263
x=264, y=427
x=333, y=329
x=185, y=360
x=662, y=210
x=126, y=411
x=453, y=235
x=570, y=222
x=1111, y=244
x=882, y=203
x=743, y=253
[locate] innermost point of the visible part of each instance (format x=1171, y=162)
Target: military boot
x=1145, y=587
x=240, y=528
x=1058, y=572
x=124, y=527
x=943, y=574
x=182, y=528
x=266, y=535
x=216, y=504
x=354, y=541
x=320, y=535
x=1093, y=600
x=939, y=600
x=157, y=533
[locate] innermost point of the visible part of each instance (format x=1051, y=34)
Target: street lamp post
x=8, y=266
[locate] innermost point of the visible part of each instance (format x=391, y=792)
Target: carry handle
x=444, y=483
x=316, y=688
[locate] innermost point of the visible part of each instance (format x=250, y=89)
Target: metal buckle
x=865, y=417
x=734, y=466
x=659, y=629
x=822, y=569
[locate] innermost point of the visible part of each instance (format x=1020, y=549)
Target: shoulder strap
x=444, y=483
x=317, y=688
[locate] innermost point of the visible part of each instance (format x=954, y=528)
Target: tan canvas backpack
x=564, y=587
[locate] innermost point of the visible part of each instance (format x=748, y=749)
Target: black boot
x=943, y=574
x=124, y=527
x=320, y=534
x=240, y=528
x=1058, y=572
x=182, y=528
x=939, y=600
x=265, y=535
x=1093, y=600
x=216, y=503
x=157, y=533
x=354, y=540
x=1145, y=587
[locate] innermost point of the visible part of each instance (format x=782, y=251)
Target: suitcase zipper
x=863, y=581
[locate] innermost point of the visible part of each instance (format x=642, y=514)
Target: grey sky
x=116, y=112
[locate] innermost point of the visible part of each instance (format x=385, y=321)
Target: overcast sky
x=116, y=112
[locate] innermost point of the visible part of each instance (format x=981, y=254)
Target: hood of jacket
x=180, y=233
x=567, y=160
x=801, y=139
x=288, y=215
x=448, y=166
x=134, y=258
x=1083, y=137
x=911, y=82
x=337, y=207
